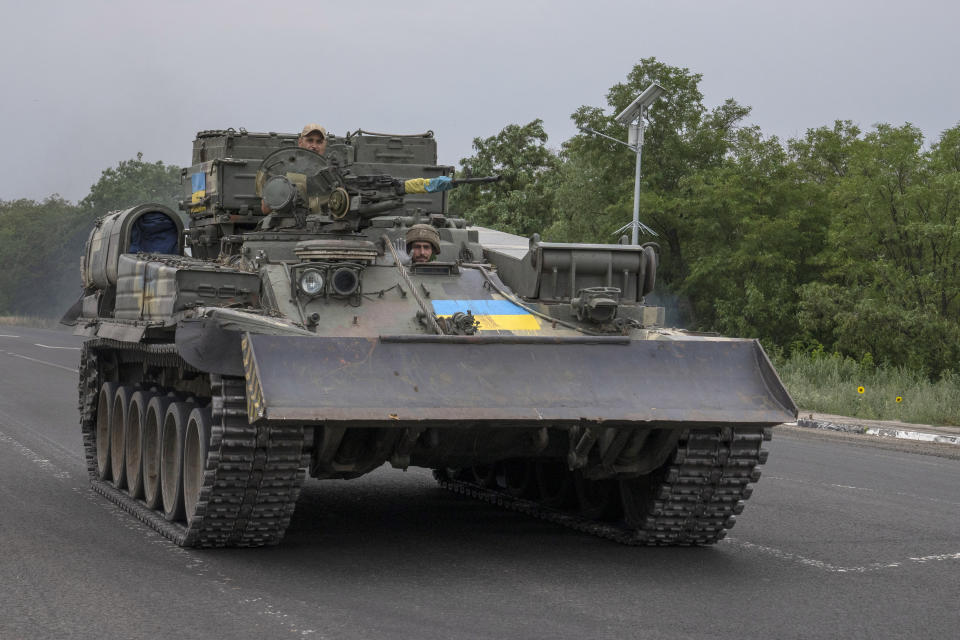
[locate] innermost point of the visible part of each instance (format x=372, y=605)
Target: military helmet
x=423, y=233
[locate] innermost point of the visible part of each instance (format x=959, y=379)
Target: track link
x=692, y=500
x=253, y=472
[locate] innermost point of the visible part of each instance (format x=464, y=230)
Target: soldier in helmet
x=423, y=243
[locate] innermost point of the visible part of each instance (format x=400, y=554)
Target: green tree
x=522, y=201
x=753, y=240
x=37, y=254
x=134, y=182
x=823, y=154
x=892, y=281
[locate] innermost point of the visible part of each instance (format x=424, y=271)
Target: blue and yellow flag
x=493, y=315
x=428, y=185
x=199, y=183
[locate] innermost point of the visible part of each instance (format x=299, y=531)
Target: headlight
x=311, y=282
x=345, y=281
x=278, y=193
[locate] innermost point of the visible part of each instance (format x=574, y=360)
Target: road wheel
x=133, y=442
x=121, y=409
x=150, y=455
x=195, y=446
x=484, y=475
x=636, y=496
x=555, y=483
x=171, y=459
x=104, y=419
x=518, y=477
x=596, y=499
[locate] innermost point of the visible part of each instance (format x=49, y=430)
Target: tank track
x=253, y=473
x=692, y=500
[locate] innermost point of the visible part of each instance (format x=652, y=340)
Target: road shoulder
x=879, y=434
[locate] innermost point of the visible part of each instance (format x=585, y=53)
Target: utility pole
x=632, y=117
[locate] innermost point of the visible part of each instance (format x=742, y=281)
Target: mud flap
x=383, y=382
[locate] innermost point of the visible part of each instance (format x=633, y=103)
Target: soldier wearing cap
x=423, y=243
x=314, y=138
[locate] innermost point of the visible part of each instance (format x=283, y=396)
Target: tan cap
x=423, y=233
x=310, y=128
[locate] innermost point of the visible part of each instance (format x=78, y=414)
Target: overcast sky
x=88, y=83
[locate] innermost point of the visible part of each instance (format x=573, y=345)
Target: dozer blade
x=511, y=380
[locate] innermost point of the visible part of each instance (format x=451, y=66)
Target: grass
x=830, y=384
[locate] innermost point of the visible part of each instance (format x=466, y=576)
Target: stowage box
x=225, y=162
x=233, y=143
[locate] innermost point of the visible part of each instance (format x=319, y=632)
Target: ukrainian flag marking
x=199, y=183
x=493, y=315
x=416, y=185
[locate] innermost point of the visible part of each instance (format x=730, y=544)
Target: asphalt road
x=839, y=540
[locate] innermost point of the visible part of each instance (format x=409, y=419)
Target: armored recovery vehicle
x=228, y=360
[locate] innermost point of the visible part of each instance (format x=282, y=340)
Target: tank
x=292, y=329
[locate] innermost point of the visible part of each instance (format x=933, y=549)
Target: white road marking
x=832, y=568
x=198, y=565
x=944, y=556
x=36, y=431
x=34, y=457
x=51, y=364
x=204, y=567
x=265, y=608
x=47, y=346
x=7, y=335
